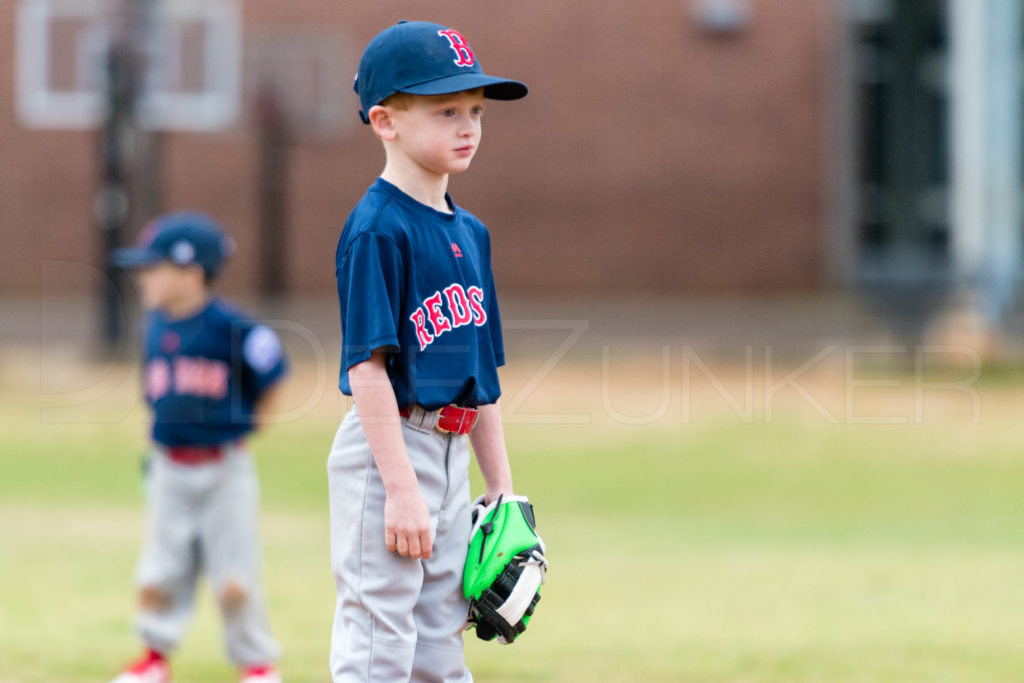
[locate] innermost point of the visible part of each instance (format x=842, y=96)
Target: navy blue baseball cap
x=182, y=238
x=422, y=58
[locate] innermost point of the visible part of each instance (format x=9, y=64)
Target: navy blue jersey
x=417, y=283
x=205, y=374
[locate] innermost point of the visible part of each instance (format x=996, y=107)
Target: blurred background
x=759, y=263
x=673, y=148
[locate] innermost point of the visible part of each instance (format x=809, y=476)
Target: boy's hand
x=407, y=524
x=406, y=517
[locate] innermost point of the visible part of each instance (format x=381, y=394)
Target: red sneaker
x=150, y=668
x=261, y=674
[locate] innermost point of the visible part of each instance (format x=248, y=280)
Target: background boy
x=420, y=350
x=208, y=372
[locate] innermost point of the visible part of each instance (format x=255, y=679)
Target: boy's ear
x=382, y=123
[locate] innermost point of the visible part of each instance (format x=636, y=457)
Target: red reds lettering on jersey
x=158, y=378
x=476, y=302
x=463, y=54
x=201, y=377
x=458, y=305
x=419, y=319
x=437, y=318
x=464, y=306
x=188, y=376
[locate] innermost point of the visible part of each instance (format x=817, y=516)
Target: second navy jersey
x=417, y=283
x=205, y=374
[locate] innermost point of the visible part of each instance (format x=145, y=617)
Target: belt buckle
x=438, y=426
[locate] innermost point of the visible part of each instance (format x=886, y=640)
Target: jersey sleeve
x=493, y=314
x=263, y=358
x=494, y=325
x=370, y=284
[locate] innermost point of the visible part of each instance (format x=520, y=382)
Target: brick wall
x=648, y=156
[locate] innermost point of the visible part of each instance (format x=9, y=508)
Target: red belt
x=195, y=455
x=450, y=419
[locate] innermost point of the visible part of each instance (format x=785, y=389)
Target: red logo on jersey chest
x=446, y=310
x=463, y=54
x=186, y=376
x=456, y=250
x=170, y=342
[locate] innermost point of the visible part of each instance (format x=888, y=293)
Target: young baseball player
x=208, y=372
x=421, y=345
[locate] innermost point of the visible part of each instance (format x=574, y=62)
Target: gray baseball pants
x=204, y=517
x=398, y=618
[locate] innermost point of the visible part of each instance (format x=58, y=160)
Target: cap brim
x=134, y=258
x=494, y=88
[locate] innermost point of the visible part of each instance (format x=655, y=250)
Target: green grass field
x=711, y=549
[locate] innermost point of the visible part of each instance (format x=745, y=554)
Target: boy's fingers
x=391, y=540
x=414, y=546
x=403, y=545
x=426, y=545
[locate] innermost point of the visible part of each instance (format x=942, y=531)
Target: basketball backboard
x=192, y=52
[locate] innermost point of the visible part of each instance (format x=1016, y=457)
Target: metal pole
x=113, y=195
x=272, y=191
x=128, y=25
x=907, y=141
x=985, y=129
x=1004, y=153
x=147, y=149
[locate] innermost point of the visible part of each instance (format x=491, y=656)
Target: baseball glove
x=505, y=568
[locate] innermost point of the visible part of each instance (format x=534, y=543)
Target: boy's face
x=165, y=284
x=440, y=133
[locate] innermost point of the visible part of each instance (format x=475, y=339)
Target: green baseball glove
x=505, y=568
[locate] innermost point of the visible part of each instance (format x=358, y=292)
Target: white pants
x=398, y=618
x=205, y=517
